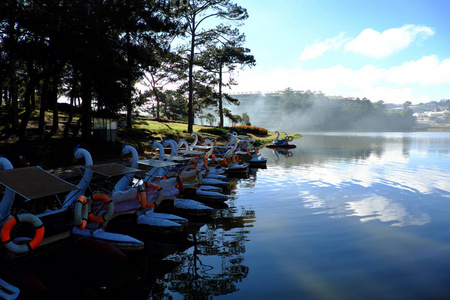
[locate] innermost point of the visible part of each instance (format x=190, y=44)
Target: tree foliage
x=91, y=50
x=196, y=15
x=315, y=111
x=307, y=110
x=222, y=55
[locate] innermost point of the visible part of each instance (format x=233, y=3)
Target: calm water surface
x=342, y=216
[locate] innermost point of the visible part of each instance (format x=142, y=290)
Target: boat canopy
x=155, y=163
x=111, y=169
x=34, y=182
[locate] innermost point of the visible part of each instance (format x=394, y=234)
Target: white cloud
x=393, y=85
x=318, y=48
x=426, y=71
x=371, y=42
x=381, y=44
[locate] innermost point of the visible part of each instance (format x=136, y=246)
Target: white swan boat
x=170, y=187
x=8, y=291
x=129, y=200
x=91, y=229
x=282, y=143
x=191, y=180
x=31, y=185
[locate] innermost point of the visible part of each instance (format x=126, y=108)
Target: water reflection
x=342, y=216
x=216, y=263
x=392, y=170
x=285, y=153
x=380, y=208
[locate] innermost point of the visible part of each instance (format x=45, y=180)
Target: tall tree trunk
x=13, y=89
x=28, y=98
x=69, y=119
x=54, y=101
x=6, y=97
x=43, y=106
x=86, y=96
x=129, y=94
x=220, y=97
x=191, y=84
x=155, y=91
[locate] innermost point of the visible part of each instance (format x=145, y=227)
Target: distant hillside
x=270, y=111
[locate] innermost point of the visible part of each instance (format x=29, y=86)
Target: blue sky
x=395, y=51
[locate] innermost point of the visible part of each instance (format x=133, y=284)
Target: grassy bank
x=56, y=151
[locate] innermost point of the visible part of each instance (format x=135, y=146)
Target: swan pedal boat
x=125, y=202
x=254, y=160
x=190, y=180
x=8, y=291
x=35, y=184
x=186, y=206
x=282, y=143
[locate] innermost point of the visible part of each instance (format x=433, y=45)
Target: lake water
x=342, y=216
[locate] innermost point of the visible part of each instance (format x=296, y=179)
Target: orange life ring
x=205, y=164
x=81, y=212
x=109, y=209
x=141, y=196
x=153, y=186
x=22, y=218
x=180, y=185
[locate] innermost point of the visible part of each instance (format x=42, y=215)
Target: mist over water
x=298, y=112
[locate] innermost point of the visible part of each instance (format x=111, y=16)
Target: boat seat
x=130, y=194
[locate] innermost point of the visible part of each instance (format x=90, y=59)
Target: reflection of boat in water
x=285, y=153
x=283, y=143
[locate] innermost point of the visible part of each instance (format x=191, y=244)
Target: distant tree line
x=315, y=111
x=94, y=52
x=307, y=110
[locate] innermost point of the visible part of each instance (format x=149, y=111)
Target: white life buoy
x=81, y=212
x=17, y=219
x=109, y=209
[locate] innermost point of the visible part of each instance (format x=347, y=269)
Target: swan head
x=77, y=154
x=155, y=144
x=126, y=149
x=5, y=164
x=165, y=142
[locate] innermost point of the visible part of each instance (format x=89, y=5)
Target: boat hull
x=282, y=146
